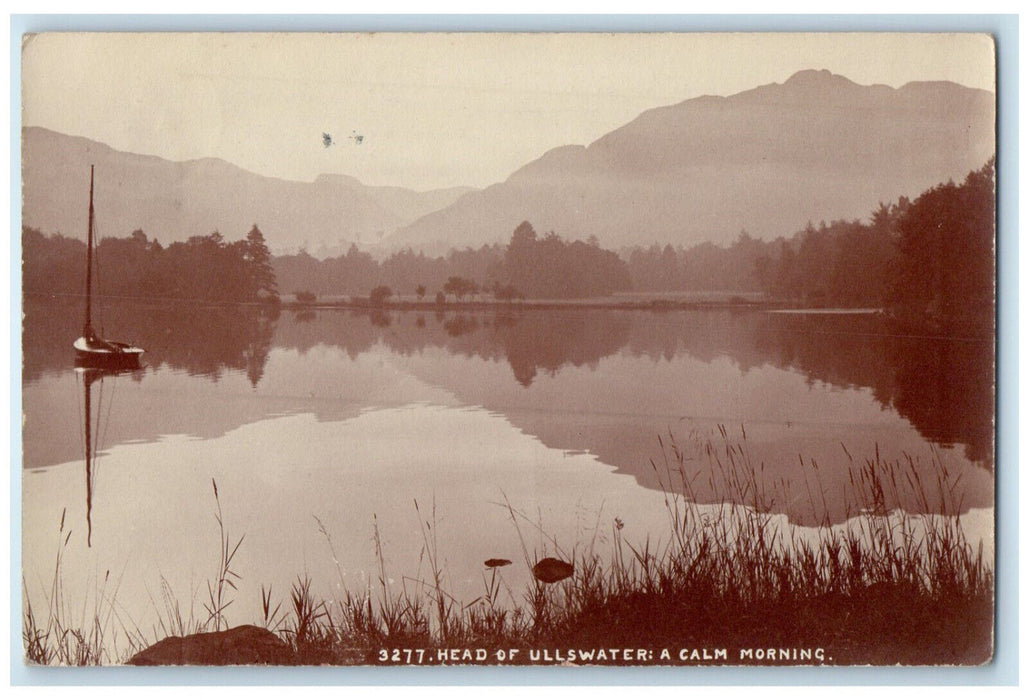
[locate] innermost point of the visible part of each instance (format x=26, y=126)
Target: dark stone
x=238, y=646
x=552, y=570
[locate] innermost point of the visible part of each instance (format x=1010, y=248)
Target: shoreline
x=575, y=304
x=587, y=304
x=739, y=587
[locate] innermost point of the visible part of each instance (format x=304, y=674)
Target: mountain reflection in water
x=598, y=381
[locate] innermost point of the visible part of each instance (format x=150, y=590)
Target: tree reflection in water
x=943, y=386
x=203, y=340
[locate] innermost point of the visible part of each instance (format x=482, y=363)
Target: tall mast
x=89, y=260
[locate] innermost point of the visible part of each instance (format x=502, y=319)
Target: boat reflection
x=93, y=380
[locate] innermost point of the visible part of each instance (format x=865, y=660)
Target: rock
x=238, y=646
x=552, y=570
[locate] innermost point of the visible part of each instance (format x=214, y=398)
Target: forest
x=930, y=260
x=207, y=268
x=530, y=266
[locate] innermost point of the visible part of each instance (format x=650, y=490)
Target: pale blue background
x=1004, y=669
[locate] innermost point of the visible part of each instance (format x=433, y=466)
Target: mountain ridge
x=767, y=160
x=173, y=200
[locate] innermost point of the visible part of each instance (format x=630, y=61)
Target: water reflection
x=625, y=377
x=351, y=416
x=94, y=427
x=944, y=386
x=202, y=340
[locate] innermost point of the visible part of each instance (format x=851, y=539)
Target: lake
x=335, y=436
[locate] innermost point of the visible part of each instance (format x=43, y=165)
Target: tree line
x=929, y=260
x=403, y=273
x=530, y=266
x=844, y=263
x=205, y=268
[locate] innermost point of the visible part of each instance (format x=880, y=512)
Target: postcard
x=435, y=349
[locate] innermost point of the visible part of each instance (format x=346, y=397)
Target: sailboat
x=91, y=350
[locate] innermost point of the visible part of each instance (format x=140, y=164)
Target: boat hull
x=106, y=354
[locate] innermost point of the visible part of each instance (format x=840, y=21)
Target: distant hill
x=767, y=160
x=172, y=201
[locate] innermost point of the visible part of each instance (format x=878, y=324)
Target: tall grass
x=57, y=633
x=101, y=632
x=883, y=587
x=218, y=595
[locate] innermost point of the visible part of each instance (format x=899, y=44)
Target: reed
x=218, y=595
x=882, y=588
x=59, y=634
x=101, y=632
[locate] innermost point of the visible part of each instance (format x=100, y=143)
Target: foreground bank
x=724, y=585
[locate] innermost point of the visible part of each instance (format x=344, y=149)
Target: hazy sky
x=434, y=110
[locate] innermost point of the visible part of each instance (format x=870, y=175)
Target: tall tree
x=259, y=265
x=947, y=247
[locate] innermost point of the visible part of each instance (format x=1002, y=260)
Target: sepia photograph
x=508, y=349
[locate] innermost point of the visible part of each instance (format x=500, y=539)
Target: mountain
x=172, y=201
x=768, y=160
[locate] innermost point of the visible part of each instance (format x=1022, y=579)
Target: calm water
x=350, y=423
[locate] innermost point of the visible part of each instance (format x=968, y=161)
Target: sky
x=425, y=111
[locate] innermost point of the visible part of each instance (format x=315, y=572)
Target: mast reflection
x=93, y=380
